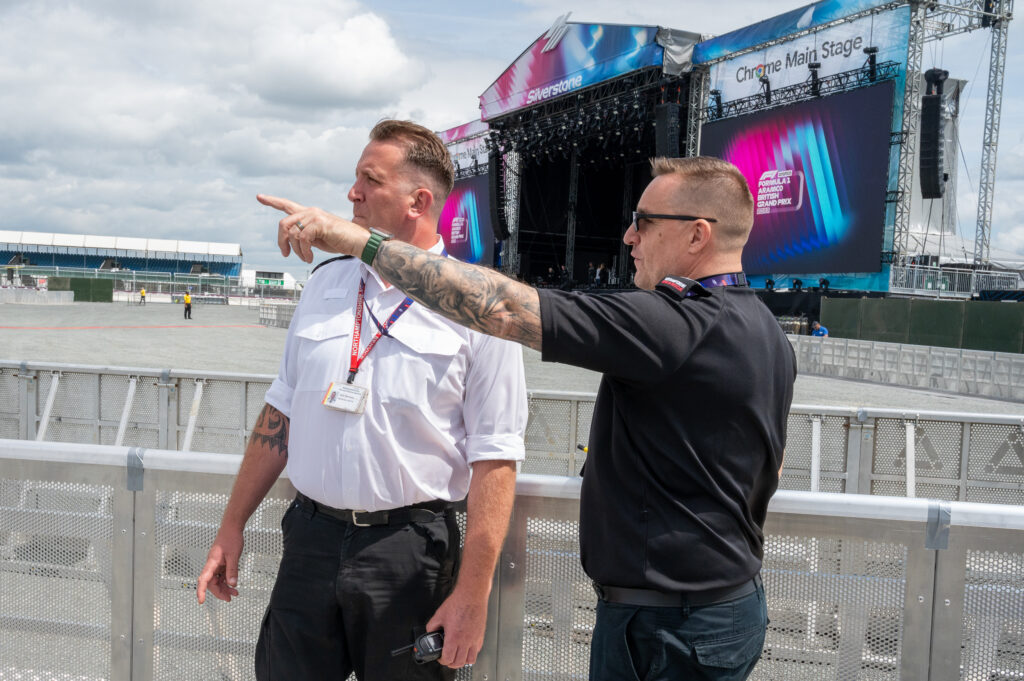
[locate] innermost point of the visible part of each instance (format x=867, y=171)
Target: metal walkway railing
x=100, y=547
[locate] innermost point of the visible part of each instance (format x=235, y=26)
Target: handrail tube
x=965, y=514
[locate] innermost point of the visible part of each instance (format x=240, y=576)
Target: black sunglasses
x=662, y=216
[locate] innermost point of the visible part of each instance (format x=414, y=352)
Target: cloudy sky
x=161, y=118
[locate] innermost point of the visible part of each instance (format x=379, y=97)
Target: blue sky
x=165, y=118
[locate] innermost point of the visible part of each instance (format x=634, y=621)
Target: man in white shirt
x=381, y=410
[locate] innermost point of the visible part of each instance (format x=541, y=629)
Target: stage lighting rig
x=872, y=53
x=823, y=284
x=815, y=82
x=716, y=97
x=798, y=285
x=766, y=89
x=769, y=284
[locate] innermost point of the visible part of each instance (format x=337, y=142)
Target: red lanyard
x=382, y=330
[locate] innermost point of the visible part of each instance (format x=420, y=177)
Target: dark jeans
x=718, y=642
x=188, y=310
x=346, y=596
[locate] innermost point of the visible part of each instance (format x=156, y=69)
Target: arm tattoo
x=271, y=431
x=476, y=297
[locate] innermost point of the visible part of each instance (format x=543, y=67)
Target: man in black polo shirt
x=689, y=426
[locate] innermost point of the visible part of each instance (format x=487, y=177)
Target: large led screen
x=465, y=222
x=818, y=172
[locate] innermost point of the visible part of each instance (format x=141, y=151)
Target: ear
x=422, y=202
x=700, y=238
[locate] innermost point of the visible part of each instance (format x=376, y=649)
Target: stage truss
x=929, y=21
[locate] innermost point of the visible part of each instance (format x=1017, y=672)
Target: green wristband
x=370, y=250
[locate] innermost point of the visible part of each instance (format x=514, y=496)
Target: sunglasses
x=637, y=216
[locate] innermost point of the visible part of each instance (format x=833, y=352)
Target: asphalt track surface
x=230, y=339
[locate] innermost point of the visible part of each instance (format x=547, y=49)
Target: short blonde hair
x=423, y=150
x=718, y=185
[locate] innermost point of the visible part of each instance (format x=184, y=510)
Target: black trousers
x=188, y=310
x=346, y=596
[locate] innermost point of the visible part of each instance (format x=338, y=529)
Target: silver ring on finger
x=299, y=225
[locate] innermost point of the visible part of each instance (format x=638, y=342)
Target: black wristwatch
x=377, y=237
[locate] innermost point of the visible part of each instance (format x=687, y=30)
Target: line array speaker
x=496, y=194
x=666, y=129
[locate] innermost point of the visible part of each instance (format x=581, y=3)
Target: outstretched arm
x=483, y=300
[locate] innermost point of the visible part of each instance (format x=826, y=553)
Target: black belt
x=650, y=597
x=416, y=513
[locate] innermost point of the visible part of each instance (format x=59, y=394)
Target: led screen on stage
x=465, y=222
x=818, y=172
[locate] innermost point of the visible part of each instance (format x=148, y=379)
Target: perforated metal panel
x=835, y=607
x=922, y=490
x=9, y=387
x=55, y=600
x=254, y=402
x=936, y=449
x=547, y=428
x=75, y=413
x=560, y=605
x=220, y=424
x=994, y=495
x=996, y=453
x=218, y=639
x=834, y=431
x=993, y=625
x=802, y=481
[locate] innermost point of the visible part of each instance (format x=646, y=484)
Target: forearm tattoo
x=271, y=431
x=476, y=297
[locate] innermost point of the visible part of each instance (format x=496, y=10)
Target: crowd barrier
x=31, y=296
x=100, y=548
x=950, y=456
x=969, y=372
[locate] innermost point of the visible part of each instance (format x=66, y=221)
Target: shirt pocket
x=324, y=342
x=429, y=368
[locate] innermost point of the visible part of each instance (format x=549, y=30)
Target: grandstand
x=42, y=249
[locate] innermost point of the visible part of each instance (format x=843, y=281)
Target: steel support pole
x=990, y=134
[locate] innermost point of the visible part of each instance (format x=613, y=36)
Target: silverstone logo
x=538, y=94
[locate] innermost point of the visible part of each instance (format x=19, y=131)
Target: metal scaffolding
x=990, y=136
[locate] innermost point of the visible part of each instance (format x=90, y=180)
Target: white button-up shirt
x=441, y=397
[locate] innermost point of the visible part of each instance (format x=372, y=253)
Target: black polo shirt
x=687, y=435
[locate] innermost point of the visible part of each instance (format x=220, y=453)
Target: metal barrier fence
x=948, y=282
x=100, y=548
x=970, y=372
x=950, y=456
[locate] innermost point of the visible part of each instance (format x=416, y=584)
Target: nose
x=629, y=238
x=354, y=194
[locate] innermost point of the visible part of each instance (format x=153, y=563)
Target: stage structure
x=814, y=51
x=820, y=107
x=571, y=125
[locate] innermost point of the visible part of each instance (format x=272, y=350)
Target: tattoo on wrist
x=481, y=299
x=271, y=431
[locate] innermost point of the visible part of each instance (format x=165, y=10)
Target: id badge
x=346, y=397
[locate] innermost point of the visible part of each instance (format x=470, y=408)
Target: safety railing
x=100, y=548
x=949, y=282
x=952, y=456
x=969, y=372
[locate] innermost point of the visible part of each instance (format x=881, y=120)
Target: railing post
x=166, y=414
x=815, y=453
x=121, y=577
x=27, y=403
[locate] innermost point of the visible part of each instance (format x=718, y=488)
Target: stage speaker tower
x=666, y=129
x=496, y=194
x=932, y=161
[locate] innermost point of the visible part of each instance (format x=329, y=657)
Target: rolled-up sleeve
x=495, y=410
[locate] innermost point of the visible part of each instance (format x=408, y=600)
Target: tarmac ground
x=230, y=339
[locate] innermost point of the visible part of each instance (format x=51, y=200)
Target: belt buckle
x=356, y=522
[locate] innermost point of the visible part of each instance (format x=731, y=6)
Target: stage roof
x=119, y=243
x=571, y=56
